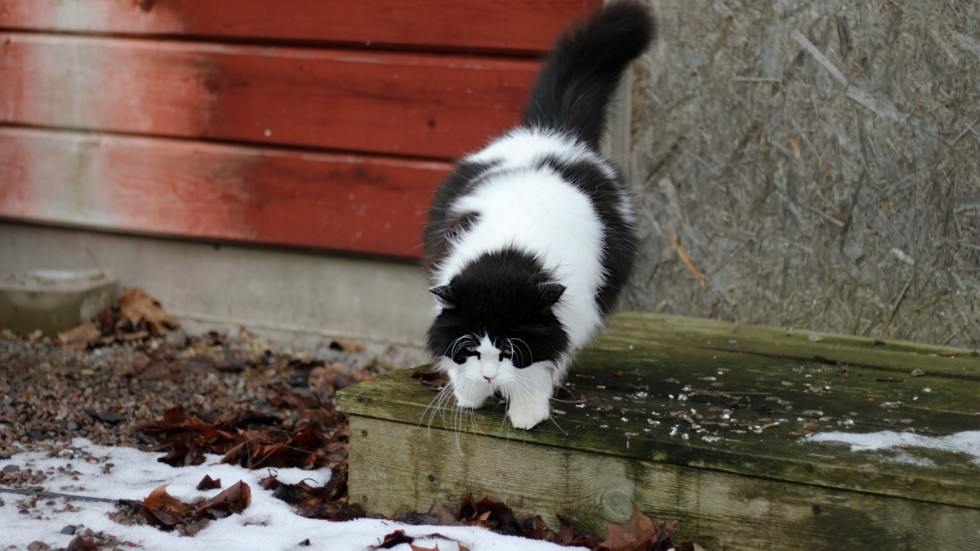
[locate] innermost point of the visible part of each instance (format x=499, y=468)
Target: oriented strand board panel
x=705, y=422
x=212, y=191
x=504, y=25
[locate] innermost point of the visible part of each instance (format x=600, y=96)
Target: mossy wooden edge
x=776, y=468
x=397, y=468
x=897, y=355
x=400, y=399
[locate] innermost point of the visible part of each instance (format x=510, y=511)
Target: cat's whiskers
x=436, y=405
x=518, y=351
x=458, y=344
x=557, y=426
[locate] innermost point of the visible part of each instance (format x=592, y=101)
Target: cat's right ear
x=445, y=295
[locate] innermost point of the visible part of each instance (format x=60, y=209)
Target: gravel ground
x=50, y=393
x=132, y=378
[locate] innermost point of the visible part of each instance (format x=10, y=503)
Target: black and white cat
x=529, y=240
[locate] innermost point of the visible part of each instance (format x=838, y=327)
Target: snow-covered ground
x=267, y=523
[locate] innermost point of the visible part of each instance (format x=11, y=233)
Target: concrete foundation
x=280, y=294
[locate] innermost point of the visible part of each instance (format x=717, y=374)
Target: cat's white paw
x=527, y=414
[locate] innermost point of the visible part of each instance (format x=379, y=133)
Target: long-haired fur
x=530, y=240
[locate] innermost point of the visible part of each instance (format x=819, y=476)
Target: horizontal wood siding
x=180, y=188
x=325, y=124
x=387, y=103
x=514, y=26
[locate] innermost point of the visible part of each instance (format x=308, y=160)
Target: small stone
x=68, y=530
x=11, y=469
x=38, y=546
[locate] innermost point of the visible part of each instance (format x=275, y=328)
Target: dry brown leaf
x=233, y=500
x=164, y=510
x=79, y=337
x=140, y=311
x=640, y=533
x=393, y=539
x=208, y=483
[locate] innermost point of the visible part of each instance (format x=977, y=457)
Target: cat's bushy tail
x=580, y=75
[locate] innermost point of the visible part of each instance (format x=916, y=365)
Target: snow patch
x=267, y=523
x=966, y=442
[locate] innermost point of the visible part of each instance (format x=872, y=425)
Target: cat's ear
x=550, y=292
x=446, y=296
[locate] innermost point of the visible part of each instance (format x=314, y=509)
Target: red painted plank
x=404, y=104
x=499, y=25
x=216, y=192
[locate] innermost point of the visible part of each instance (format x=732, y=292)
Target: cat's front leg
x=528, y=397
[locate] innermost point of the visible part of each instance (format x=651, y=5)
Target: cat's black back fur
x=581, y=73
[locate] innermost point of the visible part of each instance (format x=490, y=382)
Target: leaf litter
x=285, y=419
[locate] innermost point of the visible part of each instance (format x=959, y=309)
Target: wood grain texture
x=216, y=192
x=399, y=467
x=522, y=26
x=404, y=104
x=705, y=422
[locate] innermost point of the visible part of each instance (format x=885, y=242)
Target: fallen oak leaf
x=233, y=500
x=166, y=512
x=78, y=543
x=487, y=513
x=78, y=338
x=138, y=310
x=328, y=502
x=163, y=510
x=399, y=537
x=640, y=533
x=393, y=539
x=186, y=438
x=208, y=483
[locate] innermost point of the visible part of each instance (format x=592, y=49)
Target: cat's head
x=497, y=319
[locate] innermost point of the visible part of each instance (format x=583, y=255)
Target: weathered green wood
x=725, y=406
x=789, y=343
x=396, y=467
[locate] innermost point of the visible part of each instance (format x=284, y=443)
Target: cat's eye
x=461, y=356
x=517, y=360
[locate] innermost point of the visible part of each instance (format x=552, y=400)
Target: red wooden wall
x=324, y=124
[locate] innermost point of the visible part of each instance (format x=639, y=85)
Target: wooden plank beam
x=518, y=26
x=216, y=192
x=693, y=419
x=399, y=104
x=397, y=467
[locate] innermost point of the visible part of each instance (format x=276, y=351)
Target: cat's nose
x=488, y=379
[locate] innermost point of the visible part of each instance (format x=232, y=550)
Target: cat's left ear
x=446, y=296
x=550, y=292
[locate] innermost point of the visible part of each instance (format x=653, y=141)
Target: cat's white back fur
x=535, y=210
